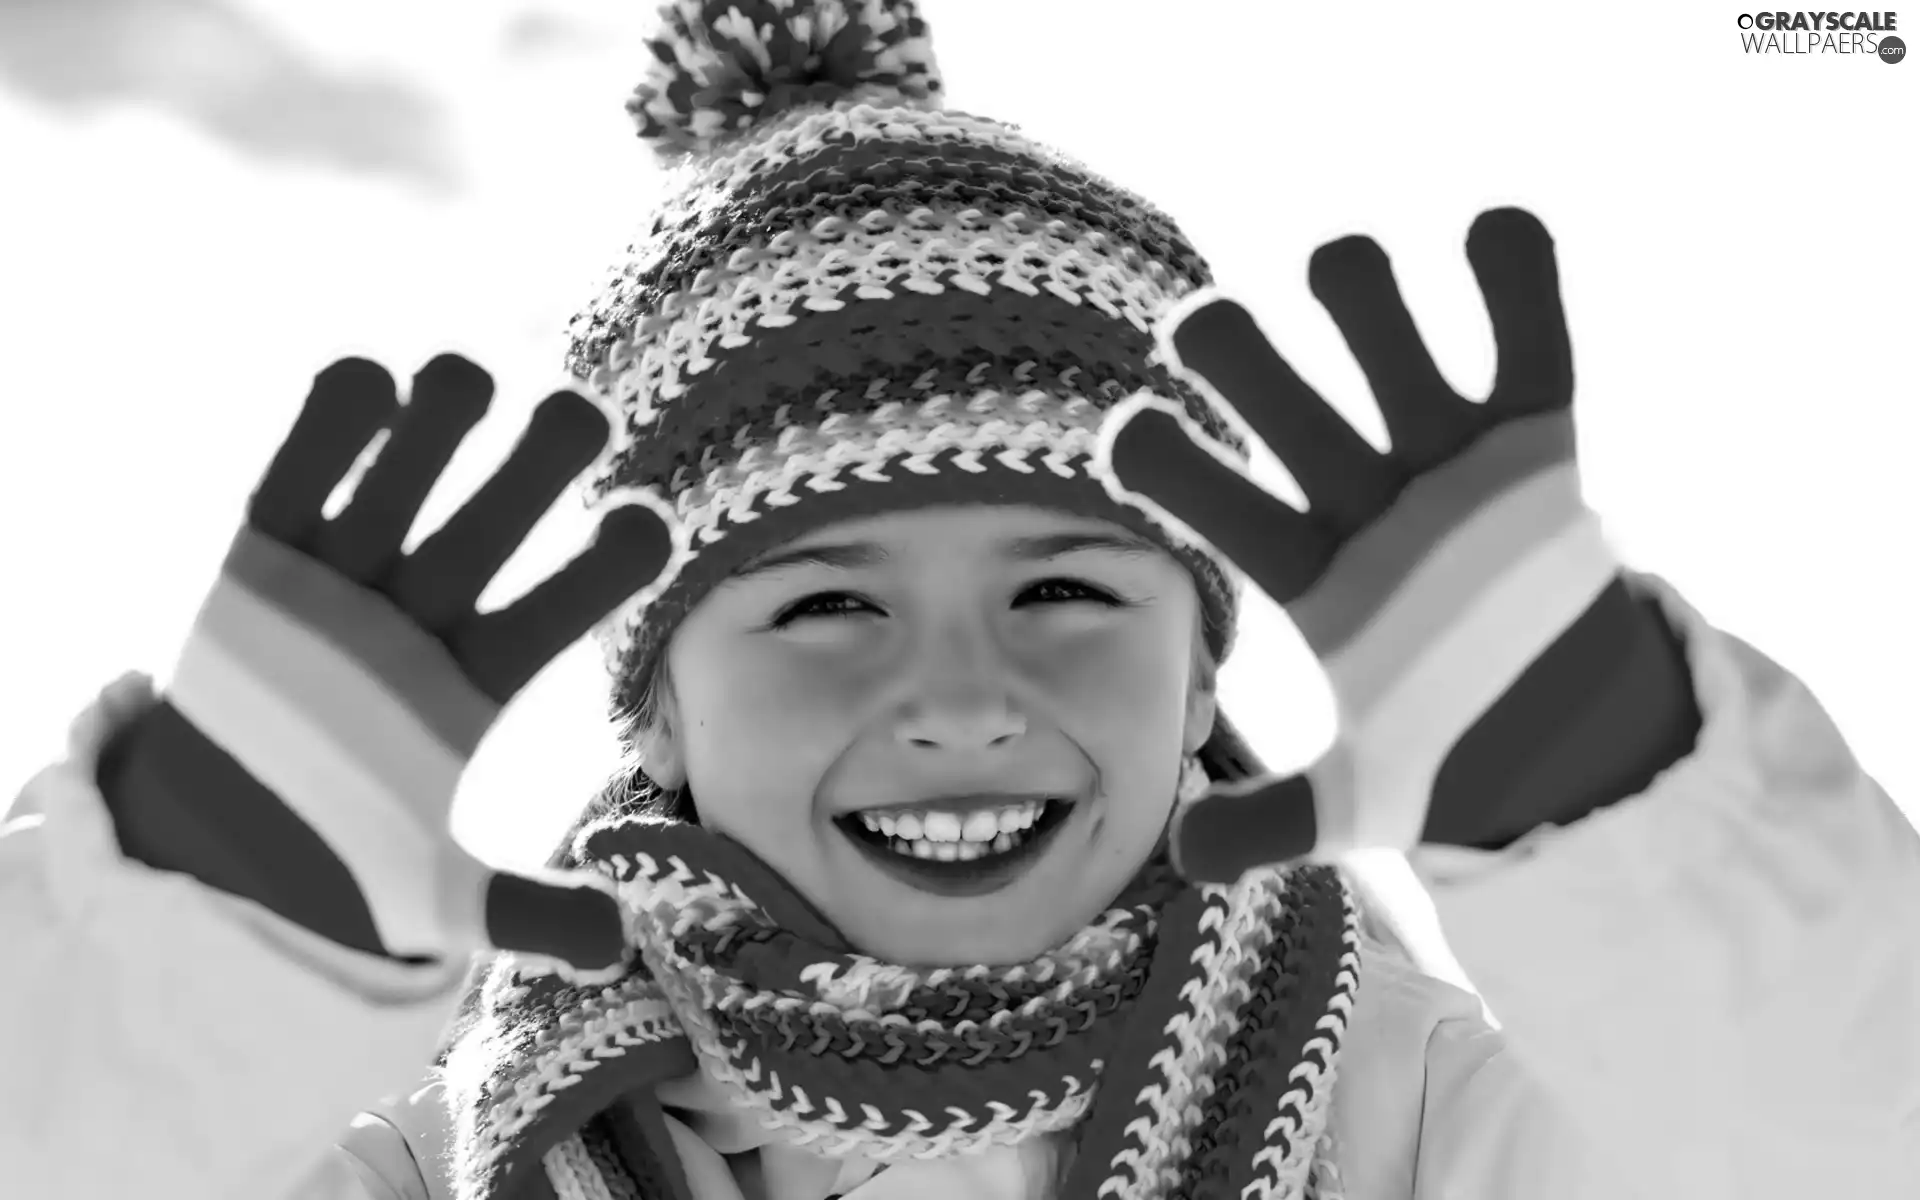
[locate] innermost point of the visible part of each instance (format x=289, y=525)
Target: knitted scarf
x=1183, y=1044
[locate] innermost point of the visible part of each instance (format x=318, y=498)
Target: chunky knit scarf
x=1183, y=1044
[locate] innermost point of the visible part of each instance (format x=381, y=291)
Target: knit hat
x=854, y=301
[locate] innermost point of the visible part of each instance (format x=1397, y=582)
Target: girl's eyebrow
x=848, y=556
x=842, y=555
x=1055, y=545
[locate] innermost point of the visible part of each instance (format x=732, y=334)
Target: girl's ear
x=660, y=758
x=1203, y=692
x=1203, y=705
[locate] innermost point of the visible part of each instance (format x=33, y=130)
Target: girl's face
x=956, y=731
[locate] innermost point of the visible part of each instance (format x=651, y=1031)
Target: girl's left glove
x=1489, y=666
x=335, y=685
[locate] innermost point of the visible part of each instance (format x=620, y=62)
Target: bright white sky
x=1738, y=238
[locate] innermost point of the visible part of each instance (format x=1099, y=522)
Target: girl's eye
x=823, y=604
x=1066, y=591
x=847, y=604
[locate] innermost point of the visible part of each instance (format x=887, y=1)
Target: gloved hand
x=333, y=688
x=1472, y=620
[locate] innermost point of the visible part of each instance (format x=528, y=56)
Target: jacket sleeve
x=1432, y=1103
x=166, y=1041
x=1719, y=978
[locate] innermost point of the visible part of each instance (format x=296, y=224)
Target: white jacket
x=1710, y=991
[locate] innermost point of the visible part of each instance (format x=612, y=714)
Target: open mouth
x=968, y=849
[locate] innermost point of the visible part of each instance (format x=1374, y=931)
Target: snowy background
x=205, y=201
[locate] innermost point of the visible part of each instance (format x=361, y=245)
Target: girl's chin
x=914, y=926
x=928, y=945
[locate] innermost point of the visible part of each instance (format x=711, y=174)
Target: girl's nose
x=960, y=699
x=983, y=721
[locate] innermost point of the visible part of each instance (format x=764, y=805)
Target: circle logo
x=1892, y=49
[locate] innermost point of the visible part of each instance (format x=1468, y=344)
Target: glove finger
x=1346, y=481
x=1281, y=549
x=1239, y=826
x=502, y=651
x=1426, y=419
x=440, y=581
x=450, y=395
x=349, y=403
x=1512, y=256
x=568, y=917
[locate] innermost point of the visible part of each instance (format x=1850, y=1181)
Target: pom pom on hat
x=723, y=66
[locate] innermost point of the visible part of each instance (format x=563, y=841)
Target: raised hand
x=333, y=688
x=1427, y=579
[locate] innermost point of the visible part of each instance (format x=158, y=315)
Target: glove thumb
x=1318, y=816
x=1234, y=827
x=568, y=916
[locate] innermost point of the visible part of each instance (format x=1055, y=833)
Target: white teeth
x=977, y=826
x=952, y=837
x=954, y=851
x=981, y=826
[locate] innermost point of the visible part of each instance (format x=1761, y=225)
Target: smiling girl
x=968, y=722
x=938, y=872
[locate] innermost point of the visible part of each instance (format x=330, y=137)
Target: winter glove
x=1490, y=667
x=333, y=688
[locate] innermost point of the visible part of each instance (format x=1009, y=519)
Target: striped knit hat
x=855, y=302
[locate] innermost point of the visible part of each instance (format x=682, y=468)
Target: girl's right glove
x=333, y=688
x=1492, y=669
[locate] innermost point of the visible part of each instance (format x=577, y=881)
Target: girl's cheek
x=1107, y=672
x=805, y=709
